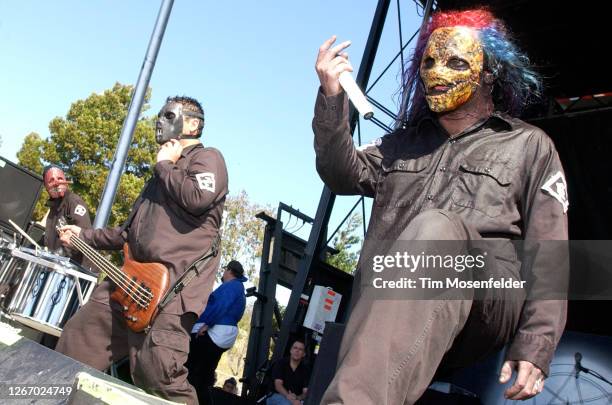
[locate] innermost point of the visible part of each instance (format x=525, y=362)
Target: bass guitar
x=139, y=287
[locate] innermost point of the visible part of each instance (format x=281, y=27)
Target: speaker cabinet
x=19, y=193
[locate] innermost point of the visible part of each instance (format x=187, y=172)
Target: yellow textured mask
x=451, y=67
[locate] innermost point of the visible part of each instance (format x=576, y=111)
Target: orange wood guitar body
x=147, y=285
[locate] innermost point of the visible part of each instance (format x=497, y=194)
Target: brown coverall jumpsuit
x=495, y=180
x=75, y=212
x=174, y=223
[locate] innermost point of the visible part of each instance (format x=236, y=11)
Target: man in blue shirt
x=216, y=329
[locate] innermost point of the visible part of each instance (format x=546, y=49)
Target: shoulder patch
x=206, y=181
x=80, y=210
x=556, y=187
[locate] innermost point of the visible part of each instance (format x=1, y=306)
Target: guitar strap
x=192, y=271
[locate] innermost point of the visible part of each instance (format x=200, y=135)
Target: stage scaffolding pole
x=317, y=238
x=129, y=125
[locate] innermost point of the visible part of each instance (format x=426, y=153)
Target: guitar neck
x=102, y=263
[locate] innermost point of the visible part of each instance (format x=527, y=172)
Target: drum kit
x=39, y=289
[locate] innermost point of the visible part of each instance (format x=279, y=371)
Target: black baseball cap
x=237, y=270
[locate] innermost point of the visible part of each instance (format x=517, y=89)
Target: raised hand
x=171, y=150
x=332, y=61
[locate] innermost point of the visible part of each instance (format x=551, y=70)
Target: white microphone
x=356, y=95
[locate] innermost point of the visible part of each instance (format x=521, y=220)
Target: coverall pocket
x=401, y=182
x=165, y=355
x=482, y=185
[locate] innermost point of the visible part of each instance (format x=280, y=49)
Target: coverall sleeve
x=545, y=255
x=342, y=167
x=79, y=212
x=104, y=238
x=203, y=184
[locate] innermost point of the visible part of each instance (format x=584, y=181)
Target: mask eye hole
x=428, y=63
x=457, y=64
x=169, y=115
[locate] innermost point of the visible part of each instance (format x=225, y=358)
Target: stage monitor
x=19, y=191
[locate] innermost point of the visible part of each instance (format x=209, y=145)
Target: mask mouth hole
x=442, y=88
x=438, y=90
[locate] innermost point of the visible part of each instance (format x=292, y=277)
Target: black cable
x=382, y=108
x=381, y=125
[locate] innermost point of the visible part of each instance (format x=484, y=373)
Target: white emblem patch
x=206, y=181
x=556, y=187
x=80, y=210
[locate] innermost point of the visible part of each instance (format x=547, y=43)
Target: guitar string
x=103, y=262
x=121, y=280
x=112, y=272
x=96, y=258
x=143, y=297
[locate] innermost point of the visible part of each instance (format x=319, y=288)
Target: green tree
x=83, y=143
x=242, y=232
x=233, y=360
x=30, y=156
x=346, y=242
x=242, y=240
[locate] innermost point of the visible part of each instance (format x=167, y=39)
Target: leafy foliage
x=30, y=156
x=242, y=232
x=346, y=242
x=242, y=239
x=83, y=143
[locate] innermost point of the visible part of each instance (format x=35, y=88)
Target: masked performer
x=462, y=168
x=62, y=204
x=174, y=222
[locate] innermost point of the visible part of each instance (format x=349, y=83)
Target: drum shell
x=9, y=276
x=45, y=299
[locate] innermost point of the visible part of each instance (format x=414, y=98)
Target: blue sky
x=250, y=63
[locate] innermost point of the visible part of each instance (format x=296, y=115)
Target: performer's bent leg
x=96, y=335
x=391, y=349
x=157, y=358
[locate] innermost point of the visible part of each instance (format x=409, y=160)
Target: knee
x=434, y=224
